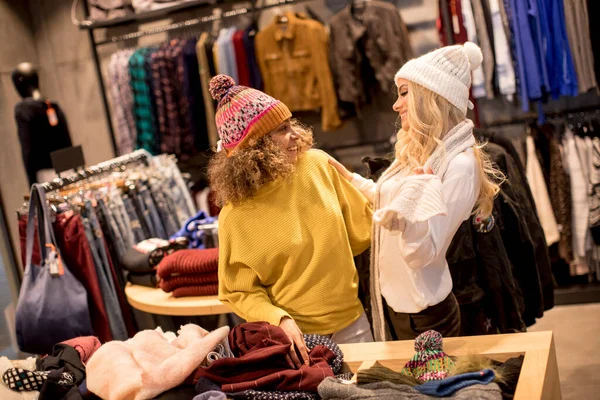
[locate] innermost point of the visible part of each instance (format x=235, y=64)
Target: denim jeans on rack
x=112, y=229
x=135, y=224
x=107, y=285
x=119, y=215
x=157, y=224
x=167, y=218
x=181, y=209
x=143, y=214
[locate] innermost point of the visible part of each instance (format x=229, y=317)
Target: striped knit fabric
x=429, y=362
x=170, y=284
x=244, y=113
x=205, y=290
x=189, y=261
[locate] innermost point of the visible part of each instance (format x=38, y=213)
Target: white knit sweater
x=408, y=265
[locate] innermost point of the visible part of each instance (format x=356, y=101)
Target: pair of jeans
x=113, y=241
x=121, y=218
x=179, y=203
x=166, y=216
x=143, y=214
x=134, y=221
x=157, y=224
x=103, y=270
x=184, y=198
x=111, y=228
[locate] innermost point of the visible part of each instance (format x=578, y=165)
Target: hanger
x=357, y=8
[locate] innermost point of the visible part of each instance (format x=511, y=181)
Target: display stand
x=156, y=301
x=539, y=374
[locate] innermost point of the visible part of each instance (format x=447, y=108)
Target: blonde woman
x=439, y=178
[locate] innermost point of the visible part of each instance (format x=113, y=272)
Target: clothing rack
x=154, y=16
x=103, y=167
x=533, y=116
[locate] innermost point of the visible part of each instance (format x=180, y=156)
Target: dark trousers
x=443, y=317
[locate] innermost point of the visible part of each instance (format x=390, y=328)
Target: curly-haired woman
x=439, y=178
x=290, y=224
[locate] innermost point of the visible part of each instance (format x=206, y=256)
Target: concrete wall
x=41, y=32
x=17, y=45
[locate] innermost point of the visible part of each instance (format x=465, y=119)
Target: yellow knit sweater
x=288, y=250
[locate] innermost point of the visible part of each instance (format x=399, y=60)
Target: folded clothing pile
x=60, y=375
x=141, y=261
x=261, y=363
x=190, y=273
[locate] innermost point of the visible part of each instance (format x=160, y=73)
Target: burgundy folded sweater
x=211, y=289
x=189, y=262
x=169, y=284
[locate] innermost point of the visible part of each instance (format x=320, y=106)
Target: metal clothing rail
x=103, y=167
x=195, y=21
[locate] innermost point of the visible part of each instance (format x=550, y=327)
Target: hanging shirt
x=577, y=22
x=122, y=101
x=527, y=59
x=539, y=190
x=579, y=192
x=256, y=80
x=537, y=33
x=486, y=46
x=557, y=53
x=241, y=59
x=478, y=83
x=192, y=89
x=505, y=70
x=226, y=53
x=205, y=76
x=142, y=102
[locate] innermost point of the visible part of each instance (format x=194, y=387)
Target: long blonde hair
x=430, y=117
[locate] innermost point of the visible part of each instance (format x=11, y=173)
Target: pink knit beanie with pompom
x=244, y=113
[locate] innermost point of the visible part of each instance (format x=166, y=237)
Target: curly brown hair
x=238, y=177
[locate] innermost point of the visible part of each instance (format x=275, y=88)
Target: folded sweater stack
x=190, y=273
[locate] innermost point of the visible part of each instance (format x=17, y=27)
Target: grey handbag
x=52, y=304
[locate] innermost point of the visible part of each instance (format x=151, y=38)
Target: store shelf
x=577, y=294
x=148, y=16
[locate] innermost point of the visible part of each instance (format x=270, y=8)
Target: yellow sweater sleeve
x=240, y=287
x=357, y=212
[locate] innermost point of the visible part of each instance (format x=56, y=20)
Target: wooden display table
x=538, y=378
x=155, y=301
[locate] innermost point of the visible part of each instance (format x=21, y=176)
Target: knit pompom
x=219, y=85
x=430, y=340
x=474, y=55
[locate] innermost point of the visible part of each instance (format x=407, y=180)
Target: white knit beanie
x=445, y=71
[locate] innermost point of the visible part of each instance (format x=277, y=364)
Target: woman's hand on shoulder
x=340, y=168
x=420, y=171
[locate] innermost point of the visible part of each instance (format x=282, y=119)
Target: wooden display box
x=539, y=374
